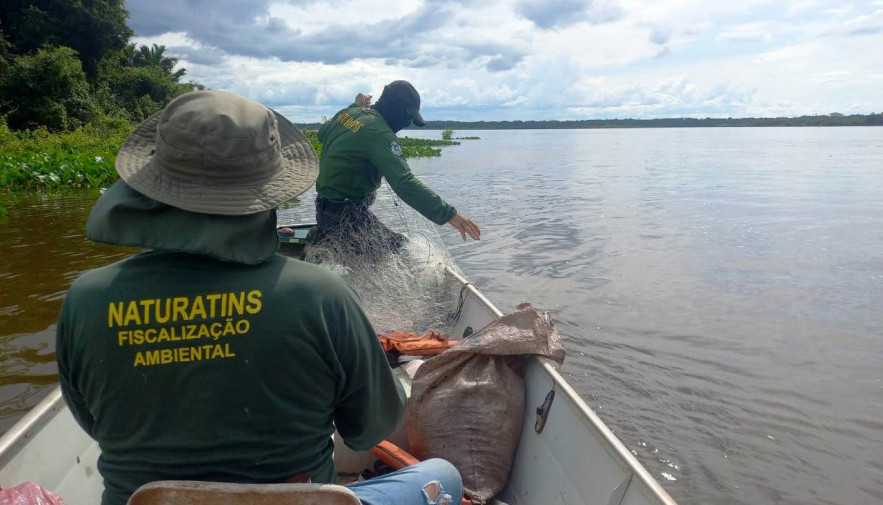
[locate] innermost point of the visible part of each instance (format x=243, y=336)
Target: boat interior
x=566, y=454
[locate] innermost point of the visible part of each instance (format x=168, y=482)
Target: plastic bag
x=29, y=494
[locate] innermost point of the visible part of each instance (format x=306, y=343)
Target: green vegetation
x=71, y=89
x=411, y=148
x=47, y=88
x=415, y=148
x=91, y=28
x=66, y=64
x=313, y=137
x=135, y=82
x=40, y=160
x=833, y=119
x=449, y=135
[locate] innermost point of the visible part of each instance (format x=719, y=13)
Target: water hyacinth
x=411, y=147
x=44, y=161
x=56, y=170
x=37, y=160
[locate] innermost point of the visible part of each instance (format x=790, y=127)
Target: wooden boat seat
x=184, y=492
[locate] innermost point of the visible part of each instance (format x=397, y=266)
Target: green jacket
x=184, y=363
x=358, y=148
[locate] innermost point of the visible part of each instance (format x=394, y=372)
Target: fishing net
x=396, y=263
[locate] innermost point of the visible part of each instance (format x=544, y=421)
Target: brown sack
x=467, y=404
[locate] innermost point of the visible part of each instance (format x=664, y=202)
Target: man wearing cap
x=359, y=147
x=208, y=356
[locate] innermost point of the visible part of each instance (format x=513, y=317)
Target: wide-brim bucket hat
x=215, y=152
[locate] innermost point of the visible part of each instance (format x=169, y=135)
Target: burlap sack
x=467, y=404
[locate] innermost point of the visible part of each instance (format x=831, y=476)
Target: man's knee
x=444, y=480
x=442, y=468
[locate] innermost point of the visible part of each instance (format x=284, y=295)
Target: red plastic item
x=29, y=494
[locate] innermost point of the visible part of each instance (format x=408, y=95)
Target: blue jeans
x=430, y=482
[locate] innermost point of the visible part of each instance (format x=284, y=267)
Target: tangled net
x=402, y=287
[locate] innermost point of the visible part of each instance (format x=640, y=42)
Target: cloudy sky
x=533, y=59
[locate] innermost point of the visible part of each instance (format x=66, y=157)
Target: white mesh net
x=402, y=288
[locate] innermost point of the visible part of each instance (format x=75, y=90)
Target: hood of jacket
x=125, y=217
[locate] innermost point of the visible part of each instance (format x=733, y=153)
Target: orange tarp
x=429, y=344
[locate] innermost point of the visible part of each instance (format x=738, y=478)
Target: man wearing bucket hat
x=208, y=356
x=359, y=147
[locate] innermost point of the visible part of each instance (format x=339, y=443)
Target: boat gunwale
x=30, y=425
x=595, y=424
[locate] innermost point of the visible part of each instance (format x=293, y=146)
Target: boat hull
x=575, y=459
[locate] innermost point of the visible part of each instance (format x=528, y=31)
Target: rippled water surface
x=42, y=250
x=720, y=292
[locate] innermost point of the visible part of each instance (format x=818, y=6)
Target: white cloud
x=553, y=14
x=800, y=6
x=313, y=16
x=497, y=59
x=749, y=32
x=871, y=24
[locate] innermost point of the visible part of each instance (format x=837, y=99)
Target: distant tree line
x=833, y=119
x=65, y=64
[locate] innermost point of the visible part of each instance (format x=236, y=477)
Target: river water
x=720, y=292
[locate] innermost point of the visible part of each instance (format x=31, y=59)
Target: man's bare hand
x=465, y=226
x=363, y=100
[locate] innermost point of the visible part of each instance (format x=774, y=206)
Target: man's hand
x=363, y=100
x=465, y=226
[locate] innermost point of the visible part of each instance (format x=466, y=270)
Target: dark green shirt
x=182, y=366
x=358, y=148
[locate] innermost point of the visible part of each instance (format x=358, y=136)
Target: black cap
x=404, y=93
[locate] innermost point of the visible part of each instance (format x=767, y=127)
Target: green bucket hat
x=214, y=152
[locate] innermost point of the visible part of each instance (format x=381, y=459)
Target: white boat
x=575, y=459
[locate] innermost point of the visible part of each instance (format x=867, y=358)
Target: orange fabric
x=393, y=456
x=397, y=458
x=429, y=344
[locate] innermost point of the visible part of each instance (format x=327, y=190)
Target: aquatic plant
x=40, y=160
x=411, y=147
x=313, y=137
x=415, y=148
